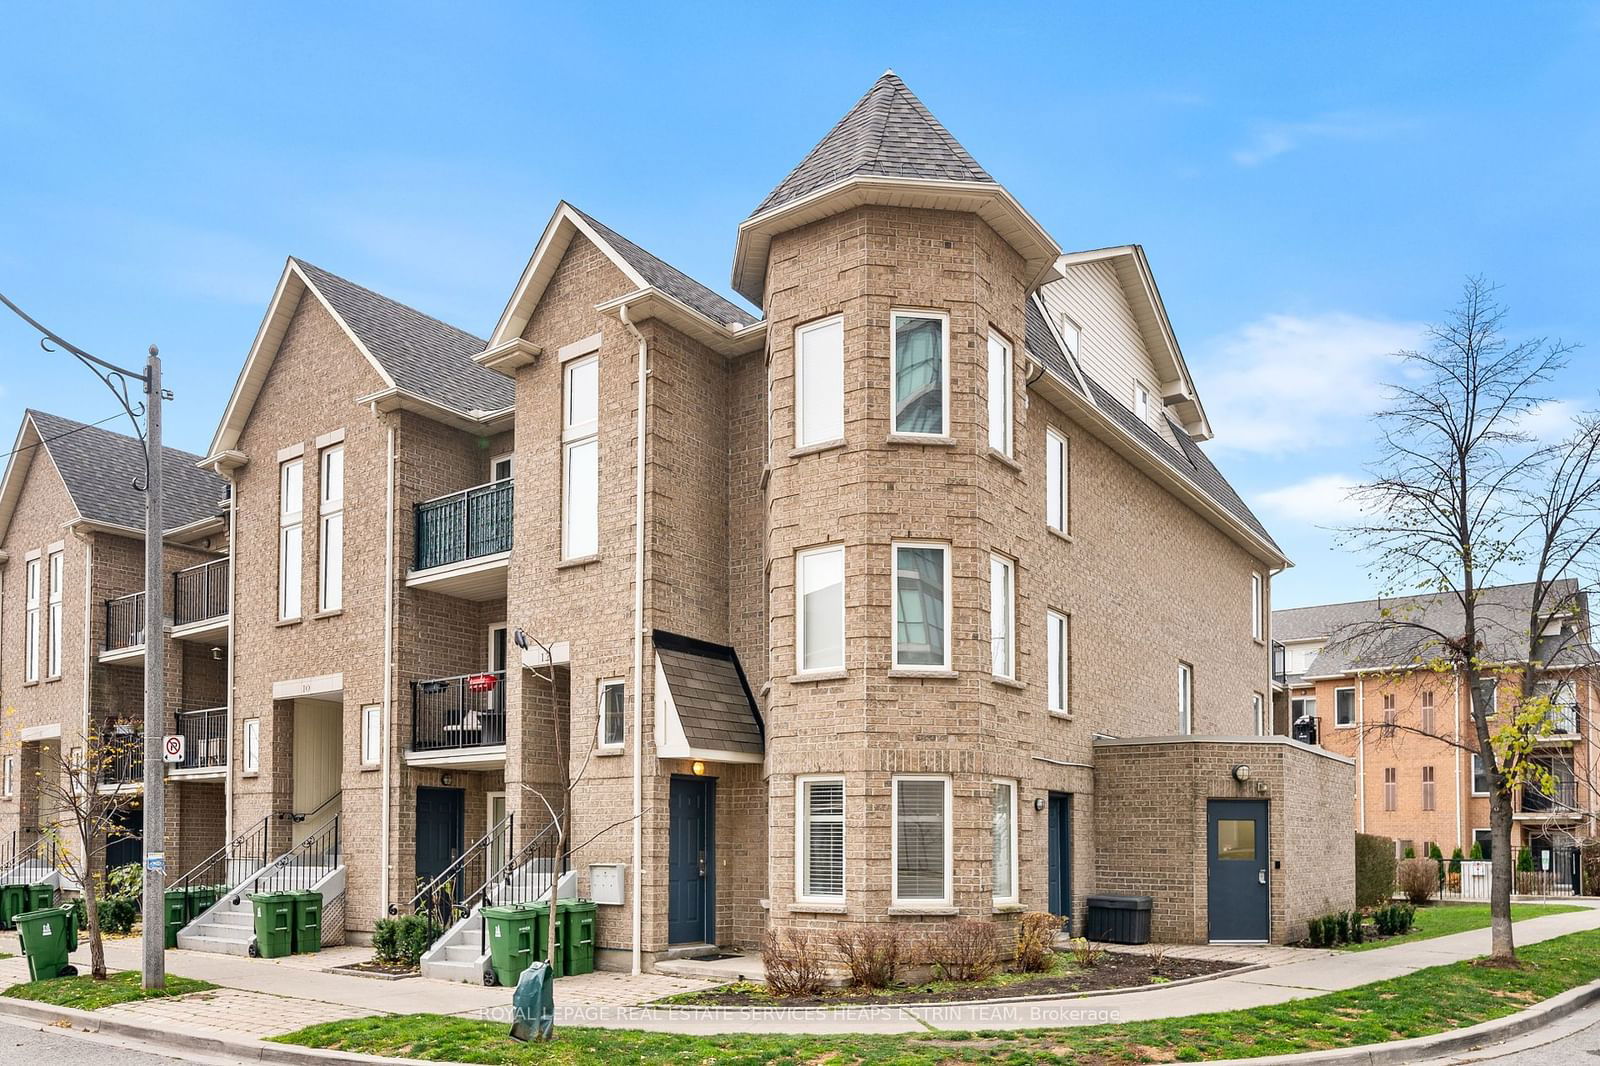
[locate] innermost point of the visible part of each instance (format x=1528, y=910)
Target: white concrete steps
x=228, y=928
x=460, y=953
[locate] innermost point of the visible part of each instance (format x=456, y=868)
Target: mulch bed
x=1116, y=970
x=374, y=968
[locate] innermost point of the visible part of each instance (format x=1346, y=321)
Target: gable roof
x=888, y=133
x=670, y=279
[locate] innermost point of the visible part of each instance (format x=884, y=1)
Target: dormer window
x=1072, y=334
x=1141, y=402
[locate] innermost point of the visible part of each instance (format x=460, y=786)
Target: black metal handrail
x=232, y=863
x=524, y=875
x=200, y=592
x=44, y=848
x=465, y=711
x=125, y=622
x=205, y=738
x=451, y=895
x=121, y=755
x=464, y=525
x=299, y=868
x=1563, y=797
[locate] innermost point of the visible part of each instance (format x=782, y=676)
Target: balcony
x=463, y=542
x=119, y=757
x=458, y=721
x=1280, y=664
x=125, y=625
x=1560, y=802
x=200, y=601
x=205, y=742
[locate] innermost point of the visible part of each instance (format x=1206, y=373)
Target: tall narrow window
x=1344, y=706
x=371, y=735
x=8, y=776
x=330, y=577
x=1427, y=788
x=999, y=394
x=819, y=382
x=1391, y=789
x=1058, y=637
x=1002, y=617
x=921, y=841
x=1056, y=480
x=1005, y=842
x=291, y=504
x=1072, y=333
x=921, y=374
x=820, y=852
x=611, y=714
x=1257, y=620
x=252, y=745
x=1141, y=402
x=53, y=648
x=921, y=606
x=1389, y=714
x=30, y=624
x=1427, y=710
x=580, y=526
x=819, y=579
x=1480, y=776
x=1185, y=699
x=1259, y=704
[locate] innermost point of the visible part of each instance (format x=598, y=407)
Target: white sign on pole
x=172, y=749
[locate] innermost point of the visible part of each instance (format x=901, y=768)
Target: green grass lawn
x=85, y=993
x=1418, y=1004
x=1442, y=919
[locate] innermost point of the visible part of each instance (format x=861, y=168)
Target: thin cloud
x=1323, y=499
x=1270, y=139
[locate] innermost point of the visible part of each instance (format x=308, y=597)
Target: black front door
x=1238, y=895
x=123, y=845
x=441, y=828
x=691, y=883
x=1060, y=843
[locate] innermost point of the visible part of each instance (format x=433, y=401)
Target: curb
x=1397, y=1053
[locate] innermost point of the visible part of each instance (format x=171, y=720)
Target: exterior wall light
x=699, y=768
x=1241, y=773
x=1038, y=803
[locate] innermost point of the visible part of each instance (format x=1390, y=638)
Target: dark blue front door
x=1238, y=895
x=441, y=826
x=1060, y=847
x=691, y=884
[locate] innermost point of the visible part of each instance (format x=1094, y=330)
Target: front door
x=1238, y=893
x=691, y=884
x=1060, y=845
x=441, y=828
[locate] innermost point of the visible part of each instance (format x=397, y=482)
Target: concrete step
x=470, y=973
x=462, y=953
x=214, y=945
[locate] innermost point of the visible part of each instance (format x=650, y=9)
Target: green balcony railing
x=464, y=525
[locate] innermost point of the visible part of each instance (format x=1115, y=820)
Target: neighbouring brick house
x=73, y=633
x=1377, y=698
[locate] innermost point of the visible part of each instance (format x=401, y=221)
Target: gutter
x=638, y=637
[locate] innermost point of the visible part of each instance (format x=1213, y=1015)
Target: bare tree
x=1462, y=497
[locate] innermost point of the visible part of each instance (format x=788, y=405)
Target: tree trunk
x=91, y=911
x=1502, y=873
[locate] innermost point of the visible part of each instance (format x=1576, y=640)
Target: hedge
x=1375, y=869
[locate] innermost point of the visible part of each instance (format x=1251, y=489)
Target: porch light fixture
x=699, y=768
x=520, y=639
x=1038, y=803
x=1241, y=773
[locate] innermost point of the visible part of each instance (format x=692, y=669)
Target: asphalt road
x=1580, y=1049
x=22, y=1044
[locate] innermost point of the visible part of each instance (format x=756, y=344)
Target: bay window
x=819, y=382
x=820, y=849
x=921, y=606
x=999, y=394
x=819, y=619
x=1002, y=617
x=1005, y=842
x=921, y=373
x=921, y=841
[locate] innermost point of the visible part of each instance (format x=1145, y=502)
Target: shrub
x=1036, y=937
x=401, y=941
x=871, y=953
x=1525, y=861
x=1476, y=854
x=1356, y=918
x=968, y=951
x=1394, y=919
x=1419, y=879
x=118, y=913
x=794, y=967
x=1411, y=853
x=1455, y=864
x=1158, y=958
x=386, y=940
x=1375, y=869
x=1086, y=953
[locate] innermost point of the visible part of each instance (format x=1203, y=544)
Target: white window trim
x=369, y=713
x=800, y=332
x=1185, y=699
x=1054, y=440
x=894, y=843
x=1016, y=892
x=800, y=614
x=944, y=368
x=330, y=594
x=1473, y=760
x=600, y=714
x=1258, y=704
x=56, y=571
x=1007, y=567
x=1071, y=334
x=496, y=460
x=802, y=821
x=1064, y=666
x=291, y=520
x=9, y=773
x=894, y=606
x=250, y=763
x=1352, y=723
x=30, y=621
x=575, y=435
x=1257, y=605
x=1006, y=415
x=1141, y=401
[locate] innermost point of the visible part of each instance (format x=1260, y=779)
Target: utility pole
x=155, y=691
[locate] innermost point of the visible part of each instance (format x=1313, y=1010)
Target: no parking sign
x=172, y=749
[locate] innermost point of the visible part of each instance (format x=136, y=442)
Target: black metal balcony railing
x=468, y=711
x=1563, y=797
x=205, y=738
x=464, y=525
x=200, y=592
x=125, y=622
x=120, y=758
x=1280, y=663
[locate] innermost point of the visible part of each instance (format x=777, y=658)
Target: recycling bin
x=47, y=940
x=541, y=938
x=1118, y=919
x=13, y=901
x=510, y=933
x=201, y=899
x=274, y=923
x=577, y=935
x=307, y=922
x=177, y=913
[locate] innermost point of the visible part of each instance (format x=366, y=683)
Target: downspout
x=638, y=638
x=233, y=650
x=1361, y=741
x=1455, y=750
x=388, y=676
x=88, y=641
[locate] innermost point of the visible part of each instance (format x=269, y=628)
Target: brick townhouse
x=73, y=633
x=1376, y=699
x=912, y=597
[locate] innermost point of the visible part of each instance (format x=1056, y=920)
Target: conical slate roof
x=888, y=133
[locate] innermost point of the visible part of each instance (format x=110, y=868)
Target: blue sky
x=1311, y=183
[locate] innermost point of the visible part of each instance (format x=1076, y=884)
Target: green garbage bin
x=307, y=922
x=47, y=941
x=177, y=913
x=274, y=921
x=577, y=935
x=201, y=899
x=13, y=901
x=510, y=934
x=40, y=896
x=541, y=934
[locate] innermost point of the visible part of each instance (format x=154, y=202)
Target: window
x=1484, y=838
x=1185, y=699
x=1236, y=839
x=1388, y=714
x=611, y=714
x=371, y=735
x=1072, y=334
x=921, y=840
x=1303, y=707
x=1141, y=402
x=53, y=648
x=820, y=849
x=1005, y=842
x=1391, y=789
x=999, y=394
x=819, y=382
x=500, y=467
x=1344, y=706
x=1427, y=710
x=921, y=374
x=30, y=642
x=8, y=776
x=819, y=582
x=1480, y=776
x=1257, y=623
x=921, y=606
x=1058, y=638
x=1259, y=705
x=330, y=578
x=1002, y=617
x=1427, y=788
x=291, y=493
x=252, y=745
x=1056, y=481
x=580, y=505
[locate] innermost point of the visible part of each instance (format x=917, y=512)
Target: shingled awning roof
x=706, y=706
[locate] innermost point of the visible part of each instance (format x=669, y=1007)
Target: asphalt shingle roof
x=423, y=355
x=888, y=133
x=670, y=279
x=99, y=468
x=1042, y=344
x=710, y=694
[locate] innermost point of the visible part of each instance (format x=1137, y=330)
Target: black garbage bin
x=1118, y=919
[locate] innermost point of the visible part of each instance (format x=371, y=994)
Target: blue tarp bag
x=533, y=1004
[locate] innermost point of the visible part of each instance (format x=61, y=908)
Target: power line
x=58, y=436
